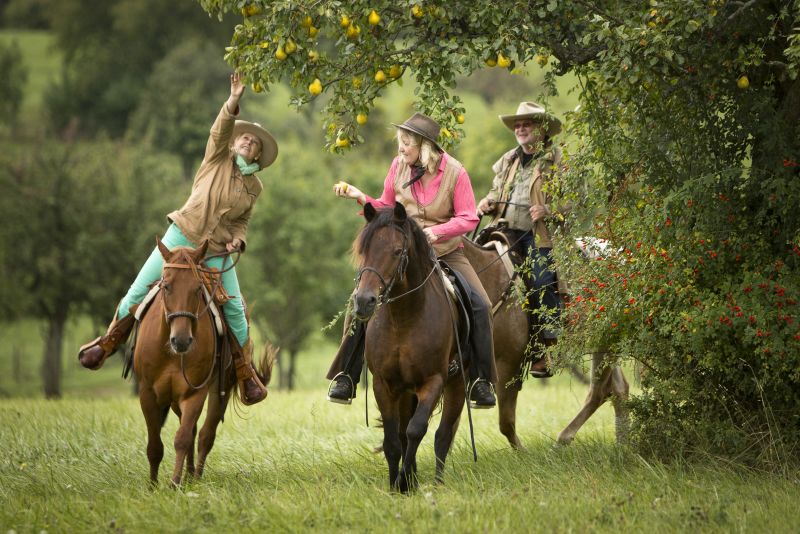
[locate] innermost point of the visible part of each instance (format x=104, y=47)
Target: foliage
x=32, y=14
x=297, y=258
x=681, y=101
x=184, y=90
x=13, y=78
x=110, y=49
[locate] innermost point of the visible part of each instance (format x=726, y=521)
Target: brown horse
x=511, y=344
x=175, y=364
x=410, y=339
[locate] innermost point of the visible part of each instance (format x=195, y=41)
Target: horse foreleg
x=408, y=404
x=154, y=417
x=190, y=409
x=389, y=409
x=208, y=434
x=619, y=392
x=599, y=391
x=452, y=405
x=427, y=395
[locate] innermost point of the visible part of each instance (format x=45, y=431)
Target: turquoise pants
x=151, y=271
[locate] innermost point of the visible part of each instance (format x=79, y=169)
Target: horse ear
x=165, y=253
x=399, y=213
x=200, y=252
x=369, y=212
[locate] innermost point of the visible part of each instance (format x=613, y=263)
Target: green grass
x=299, y=463
x=42, y=60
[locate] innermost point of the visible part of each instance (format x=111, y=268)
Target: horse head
x=386, y=245
x=181, y=293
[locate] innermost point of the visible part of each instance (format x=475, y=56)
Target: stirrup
x=472, y=403
x=333, y=383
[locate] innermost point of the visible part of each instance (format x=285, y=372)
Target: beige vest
x=440, y=210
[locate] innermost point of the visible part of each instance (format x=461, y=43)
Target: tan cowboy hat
x=532, y=110
x=422, y=125
x=269, y=148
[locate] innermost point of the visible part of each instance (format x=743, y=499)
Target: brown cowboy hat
x=422, y=125
x=532, y=110
x=269, y=148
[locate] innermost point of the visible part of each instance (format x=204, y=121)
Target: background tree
x=183, y=91
x=13, y=77
x=77, y=220
x=687, y=134
x=109, y=50
x=297, y=267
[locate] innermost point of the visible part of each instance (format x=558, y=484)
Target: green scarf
x=246, y=168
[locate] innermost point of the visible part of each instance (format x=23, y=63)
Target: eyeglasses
x=526, y=124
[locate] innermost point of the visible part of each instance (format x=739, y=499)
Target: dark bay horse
x=510, y=345
x=175, y=364
x=410, y=339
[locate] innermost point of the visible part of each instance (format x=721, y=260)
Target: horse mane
x=384, y=217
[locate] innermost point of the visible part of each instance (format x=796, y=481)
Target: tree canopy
x=683, y=154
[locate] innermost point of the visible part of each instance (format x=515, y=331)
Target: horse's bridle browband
x=399, y=272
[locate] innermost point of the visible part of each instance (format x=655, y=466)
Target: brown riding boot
x=93, y=354
x=251, y=390
x=541, y=368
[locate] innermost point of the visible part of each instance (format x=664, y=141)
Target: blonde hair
x=429, y=155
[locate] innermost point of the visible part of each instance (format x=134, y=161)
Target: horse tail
x=264, y=367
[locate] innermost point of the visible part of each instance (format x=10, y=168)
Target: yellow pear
x=313, y=31
x=395, y=71
x=361, y=118
x=491, y=62
x=380, y=76
x=313, y=55
x=342, y=142
x=344, y=22
x=374, y=18
x=306, y=22
x=503, y=61
x=289, y=47
x=417, y=12
x=280, y=54
x=743, y=82
x=315, y=87
x=460, y=119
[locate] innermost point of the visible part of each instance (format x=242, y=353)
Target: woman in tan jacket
x=218, y=210
x=436, y=192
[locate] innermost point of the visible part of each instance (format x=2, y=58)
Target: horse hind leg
x=599, y=391
x=452, y=406
x=507, y=401
x=408, y=404
x=154, y=417
x=184, y=438
x=619, y=398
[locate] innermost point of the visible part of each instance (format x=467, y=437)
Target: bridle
x=190, y=264
x=398, y=274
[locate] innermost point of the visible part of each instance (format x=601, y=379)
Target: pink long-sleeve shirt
x=464, y=219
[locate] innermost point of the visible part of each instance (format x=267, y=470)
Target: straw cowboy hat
x=269, y=148
x=532, y=110
x=422, y=125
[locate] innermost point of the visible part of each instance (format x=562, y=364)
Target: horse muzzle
x=181, y=343
x=364, y=304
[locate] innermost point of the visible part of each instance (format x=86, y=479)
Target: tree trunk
x=292, y=366
x=51, y=363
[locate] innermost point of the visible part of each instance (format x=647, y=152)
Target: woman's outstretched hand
x=237, y=90
x=345, y=190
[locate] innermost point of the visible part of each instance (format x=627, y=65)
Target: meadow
x=299, y=463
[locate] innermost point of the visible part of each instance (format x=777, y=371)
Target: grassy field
x=299, y=463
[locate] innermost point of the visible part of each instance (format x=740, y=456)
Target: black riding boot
x=481, y=371
x=345, y=370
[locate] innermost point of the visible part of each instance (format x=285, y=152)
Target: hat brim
x=269, y=147
x=418, y=132
x=553, y=124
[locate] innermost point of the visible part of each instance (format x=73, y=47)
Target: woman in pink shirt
x=435, y=191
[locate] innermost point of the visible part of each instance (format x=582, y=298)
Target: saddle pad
x=502, y=250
